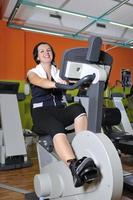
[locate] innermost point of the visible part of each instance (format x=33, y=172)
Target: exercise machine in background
x=13, y=152
x=124, y=135
x=116, y=123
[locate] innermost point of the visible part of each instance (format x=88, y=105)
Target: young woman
x=49, y=114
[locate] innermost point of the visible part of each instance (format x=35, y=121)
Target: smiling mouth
x=46, y=56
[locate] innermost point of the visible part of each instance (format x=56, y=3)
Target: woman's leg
x=60, y=140
x=80, y=123
x=63, y=147
x=80, y=169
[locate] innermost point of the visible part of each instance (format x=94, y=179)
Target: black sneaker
x=83, y=170
x=78, y=181
x=87, y=170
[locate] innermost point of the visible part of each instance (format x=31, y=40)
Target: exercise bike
x=13, y=152
x=122, y=137
x=90, y=68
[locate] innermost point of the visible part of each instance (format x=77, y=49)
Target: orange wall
x=16, y=52
x=12, y=54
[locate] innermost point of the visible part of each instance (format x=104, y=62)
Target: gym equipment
x=126, y=142
x=90, y=67
x=123, y=141
x=126, y=78
x=117, y=99
x=123, y=137
x=130, y=105
x=12, y=146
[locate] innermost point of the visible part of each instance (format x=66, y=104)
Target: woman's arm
x=41, y=82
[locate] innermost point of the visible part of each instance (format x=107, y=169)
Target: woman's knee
x=78, y=109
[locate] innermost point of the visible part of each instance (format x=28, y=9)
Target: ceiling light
x=122, y=25
x=41, y=31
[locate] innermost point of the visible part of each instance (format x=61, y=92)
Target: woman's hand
x=62, y=81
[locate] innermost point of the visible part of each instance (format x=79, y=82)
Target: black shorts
x=53, y=120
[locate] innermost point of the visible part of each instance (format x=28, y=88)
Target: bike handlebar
x=84, y=80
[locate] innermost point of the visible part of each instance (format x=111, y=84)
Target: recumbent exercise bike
x=90, y=68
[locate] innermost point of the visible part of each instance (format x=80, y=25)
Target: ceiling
x=110, y=19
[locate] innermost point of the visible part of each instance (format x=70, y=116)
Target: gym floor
x=20, y=181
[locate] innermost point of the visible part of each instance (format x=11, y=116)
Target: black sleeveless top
x=49, y=97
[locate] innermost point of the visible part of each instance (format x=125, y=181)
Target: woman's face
x=45, y=54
